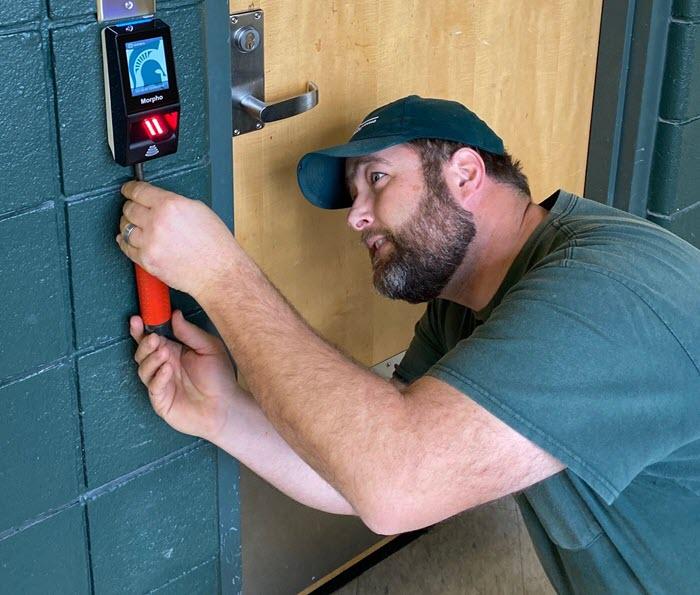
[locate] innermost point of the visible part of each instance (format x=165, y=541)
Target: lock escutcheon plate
x=247, y=68
x=248, y=107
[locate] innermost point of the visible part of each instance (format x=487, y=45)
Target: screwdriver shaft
x=138, y=171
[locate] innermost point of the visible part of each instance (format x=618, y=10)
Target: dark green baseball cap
x=321, y=174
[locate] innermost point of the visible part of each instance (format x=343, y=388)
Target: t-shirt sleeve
x=426, y=347
x=580, y=364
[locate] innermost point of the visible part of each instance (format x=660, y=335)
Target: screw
x=258, y=126
x=234, y=20
x=257, y=15
x=236, y=132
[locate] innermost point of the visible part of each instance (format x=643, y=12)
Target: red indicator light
x=159, y=127
x=155, y=127
x=149, y=127
x=171, y=119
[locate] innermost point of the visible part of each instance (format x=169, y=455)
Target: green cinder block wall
x=97, y=494
x=674, y=200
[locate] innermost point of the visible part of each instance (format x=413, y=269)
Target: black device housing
x=127, y=131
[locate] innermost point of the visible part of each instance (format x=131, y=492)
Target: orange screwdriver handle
x=154, y=302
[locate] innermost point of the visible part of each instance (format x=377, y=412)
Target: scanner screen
x=148, y=69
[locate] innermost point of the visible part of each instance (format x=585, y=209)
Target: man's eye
x=375, y=176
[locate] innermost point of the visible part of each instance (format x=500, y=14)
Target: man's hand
x=191, y=386
x=180, y=241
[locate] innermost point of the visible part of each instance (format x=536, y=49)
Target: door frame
x=218, y=63
x=626, y=97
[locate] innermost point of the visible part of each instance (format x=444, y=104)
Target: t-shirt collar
x=556, y=204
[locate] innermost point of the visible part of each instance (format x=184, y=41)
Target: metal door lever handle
x=249, y=111
x=271, y=112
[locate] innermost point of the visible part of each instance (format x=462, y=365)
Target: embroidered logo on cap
x=367, y=122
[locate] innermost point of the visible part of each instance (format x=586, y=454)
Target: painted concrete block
x=18, y=12
x=203, y=580
x=86, y=159
x=104, y=291
x=40, y=440
x=121, y=431
x=687, y=9
x=680, y=99
x=157, y=526
x=34, y=325
x=48, y=557
x=685, y=224
x=25, y=139
x=676, y=167
x=67, y=8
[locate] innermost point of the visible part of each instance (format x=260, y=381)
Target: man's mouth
x=374, y=244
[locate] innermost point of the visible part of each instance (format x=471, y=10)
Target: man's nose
x=360, y=215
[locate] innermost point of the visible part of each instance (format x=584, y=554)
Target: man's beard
x=427, y=249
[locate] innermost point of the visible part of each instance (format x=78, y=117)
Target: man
x=558, y=357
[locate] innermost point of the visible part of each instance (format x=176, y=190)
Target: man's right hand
x=190, y=385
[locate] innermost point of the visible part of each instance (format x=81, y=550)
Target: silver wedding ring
x=128, y=230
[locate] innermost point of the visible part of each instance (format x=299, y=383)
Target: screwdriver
x=154, y=295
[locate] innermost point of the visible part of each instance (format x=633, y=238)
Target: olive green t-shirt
x=591, y=350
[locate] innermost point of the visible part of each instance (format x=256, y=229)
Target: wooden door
x=527, y=68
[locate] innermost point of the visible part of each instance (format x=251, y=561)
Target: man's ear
x=465, y=174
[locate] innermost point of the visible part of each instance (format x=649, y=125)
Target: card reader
x=142, y=100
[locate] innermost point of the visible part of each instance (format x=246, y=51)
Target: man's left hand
x=180, y=241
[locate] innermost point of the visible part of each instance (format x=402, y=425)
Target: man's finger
x=136, y=329
x=143, y=193
x=151, y=363
x=136, y=213
x=139, y=192
x=149, y=344
x=128, y=249
x=194, y=337
x=160, y=390
x=136, y=235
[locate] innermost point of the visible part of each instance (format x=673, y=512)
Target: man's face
x=416, y=232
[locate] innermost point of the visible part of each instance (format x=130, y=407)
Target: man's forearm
x=253, y=440
x=334, y=413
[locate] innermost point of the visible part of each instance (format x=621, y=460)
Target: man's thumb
x=192, y=336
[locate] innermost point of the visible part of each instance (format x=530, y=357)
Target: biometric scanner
x=143, y=114
x=143, y=104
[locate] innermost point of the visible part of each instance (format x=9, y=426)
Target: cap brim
x=321, y=174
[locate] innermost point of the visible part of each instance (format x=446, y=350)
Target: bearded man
x=557, y=359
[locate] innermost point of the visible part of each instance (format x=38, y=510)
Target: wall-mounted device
x=143, y=104
x=143, y=114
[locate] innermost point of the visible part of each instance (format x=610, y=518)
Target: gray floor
x=288, y=546
x=485, y=550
